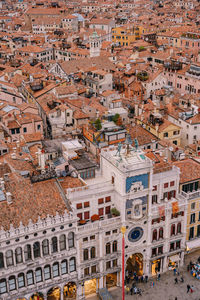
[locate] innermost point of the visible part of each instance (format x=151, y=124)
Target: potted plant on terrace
x=115, y=212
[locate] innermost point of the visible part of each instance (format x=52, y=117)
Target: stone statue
x=136, y=144
x=119, y=147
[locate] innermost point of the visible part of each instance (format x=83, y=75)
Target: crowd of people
x=195, y=269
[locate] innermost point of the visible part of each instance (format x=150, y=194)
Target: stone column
x=165, y=267
x=118, y=278
x=61, y=293
x=182, y=259
x=80, y=291
x=101, y=282
x=146, y=267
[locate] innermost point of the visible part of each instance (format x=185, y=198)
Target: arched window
x=55, y=269
x=21, y=281
x=38, y=275
x=18, y=255
x=12, y=283
x=9, y=258
x=29, y=278
x=64, y=267
x=161, y=233
x=71, y=240
x=45, y=247
x=3, y=286
x=155, y=235
x=54, y=244
x=92, y=252
x=72, y=264
x=114, y=246
x=173, y=229
x=47, y=272
x=108, y=248
x=1, y=261
x=36, y=249
x=62, y=242
x=179, y=228
x=27, y=252
x=85, y=254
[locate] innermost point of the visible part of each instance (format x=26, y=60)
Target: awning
x=174, y=258
x=193, y=244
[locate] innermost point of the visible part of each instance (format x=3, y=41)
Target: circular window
x=135, y=234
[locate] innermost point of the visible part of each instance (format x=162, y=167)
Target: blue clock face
x=135, y=234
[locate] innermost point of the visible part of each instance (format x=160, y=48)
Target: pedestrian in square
x=176, y=280
x=188, y=288
x=174, y=271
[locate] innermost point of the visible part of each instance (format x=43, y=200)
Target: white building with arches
x=63, y=235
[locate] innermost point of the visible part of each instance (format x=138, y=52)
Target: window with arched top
x=71, y=240
x=155, y=235
x=36, y=249
x=179, y=228
x=38, y=275
x=12, y=283
x=47, y=272
x=161, y=233
x=55, y=269
x=27, y=252
x=85, y=254
x=64, y=267
x=72, y=264
x=45, y=247
x=108, y=248
x=114, y=246
x=1, y=260
x=172, y=229
x=18, y=255
x=3, y=286
x=93, y=252
x=9, y=258
x=54, y=244
x=29, y=278
x=62, y=242
x=21, y=280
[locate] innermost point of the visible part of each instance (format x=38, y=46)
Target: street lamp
x=123, y=230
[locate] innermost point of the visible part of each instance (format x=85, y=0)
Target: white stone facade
x=72, y=248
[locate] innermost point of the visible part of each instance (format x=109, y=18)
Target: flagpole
x=123, y=230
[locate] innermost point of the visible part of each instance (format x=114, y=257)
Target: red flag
x=175, y=207
x=162, y=211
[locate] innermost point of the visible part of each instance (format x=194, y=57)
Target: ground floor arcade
x=74, y=290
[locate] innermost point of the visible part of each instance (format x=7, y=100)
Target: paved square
x=166, y=289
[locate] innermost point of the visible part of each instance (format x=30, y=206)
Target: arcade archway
x=53, y=294
x=37, y=296
x=90, y=287
x=70, y=290
x=134, y=264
